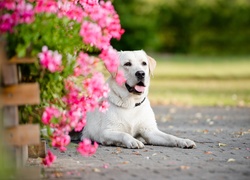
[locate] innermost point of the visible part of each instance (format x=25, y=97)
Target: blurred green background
x=202, y=48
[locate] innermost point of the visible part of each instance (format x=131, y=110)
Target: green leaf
x=54, y=120
x=21, y=50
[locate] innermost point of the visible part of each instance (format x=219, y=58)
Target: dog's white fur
x=124, y=123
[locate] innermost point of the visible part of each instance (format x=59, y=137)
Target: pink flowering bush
x=69, y=38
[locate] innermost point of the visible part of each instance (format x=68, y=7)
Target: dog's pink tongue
x=139, y=88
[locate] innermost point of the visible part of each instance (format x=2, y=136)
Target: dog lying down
x=130, y=121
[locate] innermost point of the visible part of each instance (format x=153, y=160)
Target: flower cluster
x=100, y=33
x=19, y=12
x=84, y=64
x=49, y=159
x=84, y=88
x=50, y=113
x=86, y=148
x=50, y=60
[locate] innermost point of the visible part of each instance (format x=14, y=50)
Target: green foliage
x=181, y=26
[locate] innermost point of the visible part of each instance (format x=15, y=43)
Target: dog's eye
x=144, y=63
x=128, y=64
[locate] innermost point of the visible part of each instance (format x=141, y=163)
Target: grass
x=201, y=81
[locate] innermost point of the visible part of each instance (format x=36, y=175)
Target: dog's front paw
x=134, y=144
x=186, y=143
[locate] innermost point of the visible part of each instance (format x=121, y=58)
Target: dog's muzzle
x=139, y=88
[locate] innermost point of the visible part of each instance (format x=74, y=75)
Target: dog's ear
x=152, y=64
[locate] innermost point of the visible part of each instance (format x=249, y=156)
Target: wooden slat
x=9, y=74
x=21, y=94
x=27, y=134
x=21, y=155
x=10, y=116
x=23, y=60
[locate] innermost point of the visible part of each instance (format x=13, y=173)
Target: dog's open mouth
x=137, y=89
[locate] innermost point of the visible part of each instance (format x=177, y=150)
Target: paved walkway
x=222, y=136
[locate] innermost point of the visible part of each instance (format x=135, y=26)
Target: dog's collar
x=138, y=104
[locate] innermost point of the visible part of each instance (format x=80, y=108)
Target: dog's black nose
x=140, y=75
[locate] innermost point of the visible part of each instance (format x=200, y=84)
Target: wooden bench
x=13, y=93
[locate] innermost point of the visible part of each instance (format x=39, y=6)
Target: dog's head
x=137, y=67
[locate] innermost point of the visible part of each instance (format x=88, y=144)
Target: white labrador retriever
x=130, y=116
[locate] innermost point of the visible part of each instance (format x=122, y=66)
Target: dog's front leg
x=116, y=138
x=157, y=137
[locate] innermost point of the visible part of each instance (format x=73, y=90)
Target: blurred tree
x=174, y=21
x=185, y=26
x=204, y=27
x=138, y=18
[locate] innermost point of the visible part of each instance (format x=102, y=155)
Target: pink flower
x=111, y=23
x=88, y=3
x=50, y=60
x=104, y=105
x=70, y=10
x=95, y=86
x=49, y=159
x=22, y=12
x=26, y=12
x=60, y=140
x=85, y=64
x=80, y=125
x=103, y=28
x=86, y=148
x=91, y=34
x=120, y=79
x=47, y=6
x=96, y=89
x=72, y=97
x=76, y=116
x=9, y=4
x=7, y=22
x=91, y=103
x=49, y=113
x=110, y=58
